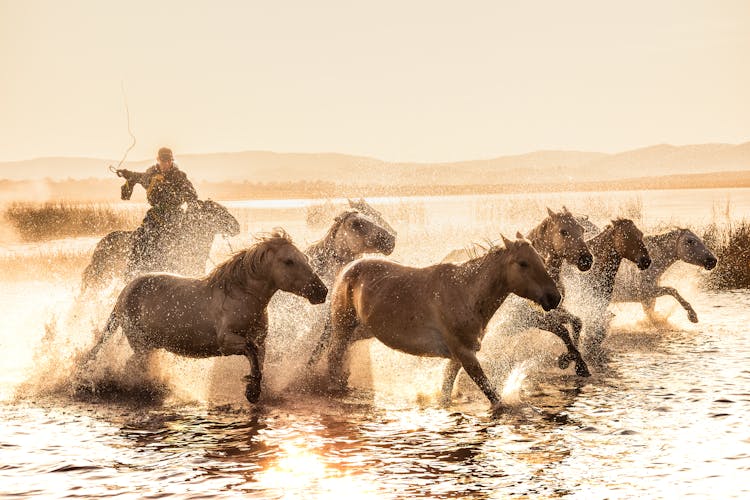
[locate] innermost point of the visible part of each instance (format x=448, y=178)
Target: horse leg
x=649, y=309
x=469, y=362
x=342, y=331
x=252, y=388
x=325, y=340
x=236, y=344
x=668, y=290
x=449, y=378
x=554, y=322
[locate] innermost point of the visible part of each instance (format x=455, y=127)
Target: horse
x=665, y=249
x=365, y=208
x=619, y=240
x=221, y=314
x=185, y=253
x=351, y=235
x=558, y=238
x=437, y=311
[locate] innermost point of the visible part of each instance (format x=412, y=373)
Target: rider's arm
x=131, y=179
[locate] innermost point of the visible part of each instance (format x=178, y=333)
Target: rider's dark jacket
x=165, y=191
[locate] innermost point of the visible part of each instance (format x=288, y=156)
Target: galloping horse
x=186, y=253
x=558, y=238
x=665, y=249
x=351, y=235
x=221, y=314
x=438, y=311
x=619, y=240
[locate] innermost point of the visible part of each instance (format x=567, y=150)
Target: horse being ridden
x=187, y=254
x=439, y=311
x=665, y=249
x=221, y=314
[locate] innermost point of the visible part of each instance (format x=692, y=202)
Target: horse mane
x=321, y=246
x=337, y=221
x=233, y=272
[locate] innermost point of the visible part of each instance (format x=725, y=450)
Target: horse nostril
x=584, y=262
x=644, y=263
x=710, y=263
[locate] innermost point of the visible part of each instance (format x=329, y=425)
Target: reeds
x=45, y=265
x=731, y=245
x=52, y=220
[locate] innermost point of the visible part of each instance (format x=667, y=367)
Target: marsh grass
x=730, y=243
x=43, y=265
x=53, y=220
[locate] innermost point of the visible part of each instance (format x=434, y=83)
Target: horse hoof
x=252, y=392
x=498, y=409
x=582, y=370
x=563, y=361
x=693, y=317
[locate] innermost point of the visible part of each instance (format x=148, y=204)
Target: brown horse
x=558, y=239
x=221, y=314
x=438, y=311
x=619, y=240
x=184, y=250
x=351, y=235
x=665, y=249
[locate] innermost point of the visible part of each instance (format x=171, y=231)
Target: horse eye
x=564, y=232
x=289, y=262
x=523, y=263
x=691, y=241
x=357, y=225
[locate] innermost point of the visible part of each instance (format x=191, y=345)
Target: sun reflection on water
x=301, y=470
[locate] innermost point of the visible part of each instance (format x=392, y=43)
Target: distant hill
x=539, y=167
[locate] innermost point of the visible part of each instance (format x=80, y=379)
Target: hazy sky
x=398, y=80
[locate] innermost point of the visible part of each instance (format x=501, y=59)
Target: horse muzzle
x=644, y=263
x=710, y=263
x=315, y=291
x=585, y=262
x=550, y=300
x=386, y=244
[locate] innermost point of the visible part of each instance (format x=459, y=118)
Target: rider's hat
x=165, y=154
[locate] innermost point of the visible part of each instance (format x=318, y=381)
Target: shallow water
x=665, y=415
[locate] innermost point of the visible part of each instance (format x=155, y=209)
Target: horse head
x=691, y=249
x=563, y=236
x=365, y=208
x=628, y=243
x=214, y=217
x=356, y=233
x=289, y=269
x=527, y=276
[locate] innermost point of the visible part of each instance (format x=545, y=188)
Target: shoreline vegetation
x=728, y=238
x=99, y=189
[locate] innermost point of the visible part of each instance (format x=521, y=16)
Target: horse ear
x=519, y=235
x=550, y=212
x=506, y=241
x=565, y=209
x=351, y=202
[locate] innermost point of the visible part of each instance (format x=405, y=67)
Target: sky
x=396, y=80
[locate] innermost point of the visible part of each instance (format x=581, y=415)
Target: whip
x=116, y=170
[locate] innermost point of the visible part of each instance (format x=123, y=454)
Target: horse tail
x=113, y=322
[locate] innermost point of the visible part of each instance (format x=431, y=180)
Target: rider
x=167, y=188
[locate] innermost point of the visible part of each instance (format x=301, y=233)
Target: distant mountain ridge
x=535, y=167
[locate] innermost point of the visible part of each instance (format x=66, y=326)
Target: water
x=665, y=416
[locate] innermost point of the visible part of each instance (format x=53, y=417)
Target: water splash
x=511, y=392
